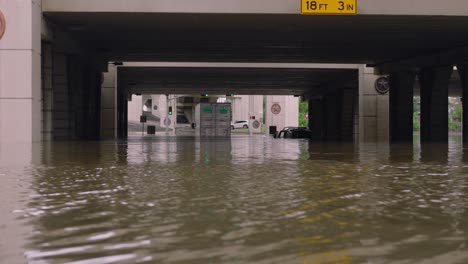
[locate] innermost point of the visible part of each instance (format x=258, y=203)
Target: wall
x=20, y=72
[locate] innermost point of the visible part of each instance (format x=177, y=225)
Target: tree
x=303, y=109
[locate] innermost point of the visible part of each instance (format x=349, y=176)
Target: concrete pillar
x=463, y=72
x=47, y=92
x=125, y=116
x=121, y=118
x=255, y=108
x=135, y=108
x=163, y=107
x=288, y=115
x=373, y=109
x=242, y=105
x=332, y=116
x=165, y=102
x=62, y=104
x=434, y=103
x=92, y=103
x=316, y=118
x=109, y=104
x=347, y=114
x=20, y=72
x=401, y=106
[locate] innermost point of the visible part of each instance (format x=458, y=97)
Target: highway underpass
x=75, y=189
x=338, y=84
x=69, y=44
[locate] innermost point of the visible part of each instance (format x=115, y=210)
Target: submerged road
x=244, y=200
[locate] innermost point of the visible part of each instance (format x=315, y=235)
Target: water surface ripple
x=244, y=200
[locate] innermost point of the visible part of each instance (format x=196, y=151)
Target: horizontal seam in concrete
x=15, y=98
x=17, y=49
x=242, y=65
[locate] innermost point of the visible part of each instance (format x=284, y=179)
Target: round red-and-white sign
x=2, y=24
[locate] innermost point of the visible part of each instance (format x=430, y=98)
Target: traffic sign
x=2, y=24
x=329, y=7
x=167, y=121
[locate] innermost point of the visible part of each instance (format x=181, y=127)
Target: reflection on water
x=245, y=200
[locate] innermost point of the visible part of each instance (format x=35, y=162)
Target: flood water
x=244, y=200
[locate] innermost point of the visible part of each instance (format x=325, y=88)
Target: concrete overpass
x=75, y=40
x=383, y=32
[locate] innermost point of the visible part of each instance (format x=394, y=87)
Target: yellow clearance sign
x=329, y=7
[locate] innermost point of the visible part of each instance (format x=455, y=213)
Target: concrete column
x=122, y=116
x=109, y=104
x=463, y=72
x=373, y=109
x=47, y=92
x=347, y=114
x=125, y=117
x=61, y=111
x=401, y=106
x=135, y=108
x=316, y=118
x=20, y=72
x=255, y=108
x=332, y=115
x=289, y=114
x=434, y=103
x=164, y=103
x=121, y=120
x=92, y=103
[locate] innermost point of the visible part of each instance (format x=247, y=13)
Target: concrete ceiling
x=366, y=39
x=261, y=81
x=279, y=38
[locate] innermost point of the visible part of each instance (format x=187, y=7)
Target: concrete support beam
x=373, y=109
x=366, y=7
x=434, y=103
x=109, y=104
x=445, y=57
x=20, y=72
x=401, y=106
x=463, y=72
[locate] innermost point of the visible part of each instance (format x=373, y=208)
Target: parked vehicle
x=240, y=124
x=294, y=132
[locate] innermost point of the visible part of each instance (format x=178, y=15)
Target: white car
x=240, y=124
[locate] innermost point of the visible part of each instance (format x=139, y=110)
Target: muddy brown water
x=244, y=200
